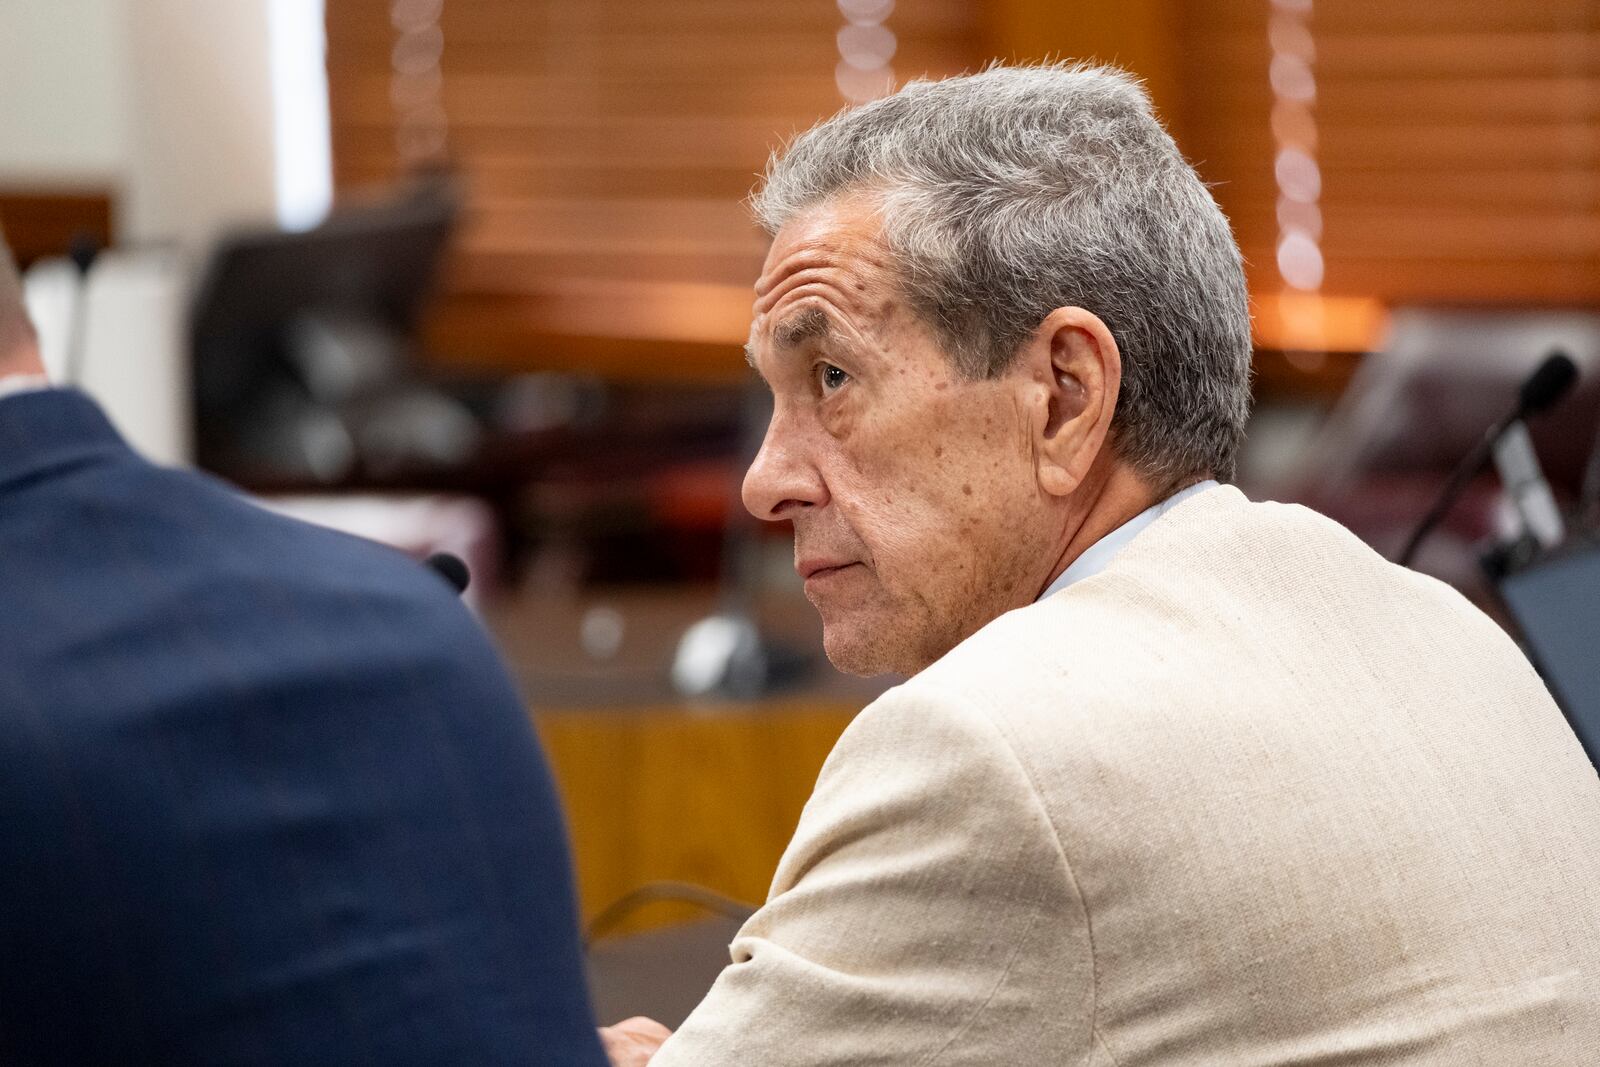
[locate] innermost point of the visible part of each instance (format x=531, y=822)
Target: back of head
x=1012, y=192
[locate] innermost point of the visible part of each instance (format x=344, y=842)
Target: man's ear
x=1076, y=367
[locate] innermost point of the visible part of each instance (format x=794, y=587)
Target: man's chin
x=852, y=651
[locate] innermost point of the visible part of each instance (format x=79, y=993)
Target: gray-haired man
x=1179, y=778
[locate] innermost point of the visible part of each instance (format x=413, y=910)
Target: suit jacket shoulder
x=1249, y=796
x=1289, y=774
x=920, y=907
x=268, y=790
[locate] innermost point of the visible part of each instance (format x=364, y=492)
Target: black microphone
x=452, y=569
x=1545, y=385
x=83, y=250
x=1549, y=382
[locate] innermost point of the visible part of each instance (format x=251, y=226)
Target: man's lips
x=821, y=568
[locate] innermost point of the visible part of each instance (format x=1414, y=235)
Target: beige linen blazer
x=1250, y=796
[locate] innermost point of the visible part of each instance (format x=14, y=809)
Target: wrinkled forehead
x=843, y=234
x=820, y=302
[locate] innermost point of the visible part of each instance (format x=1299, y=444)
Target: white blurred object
x=416, y=525
x=135, y=361
x=301, y=138
x=720, y=653
x=124, y=347
x=52, y=288
x=602, y=631
x=1525, y=488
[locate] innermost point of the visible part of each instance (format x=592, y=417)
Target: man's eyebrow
x=804, y=326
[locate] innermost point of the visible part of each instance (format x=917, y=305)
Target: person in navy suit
x=266, y=794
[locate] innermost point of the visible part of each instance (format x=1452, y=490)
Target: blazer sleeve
x=923, y=913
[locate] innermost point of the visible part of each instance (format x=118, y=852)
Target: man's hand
x=632, y=1042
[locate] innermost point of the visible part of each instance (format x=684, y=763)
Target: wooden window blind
x=1458, y=143
x=607, y=147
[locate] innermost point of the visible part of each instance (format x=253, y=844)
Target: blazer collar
x=48, y=428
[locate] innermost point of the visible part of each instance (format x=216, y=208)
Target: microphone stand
x=1547, y=384
x=1465, y=471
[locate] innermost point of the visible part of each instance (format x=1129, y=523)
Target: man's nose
x=782, y=479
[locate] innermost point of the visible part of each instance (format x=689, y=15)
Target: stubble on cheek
x=921, y=480
x=966, y=529
x=899, y=614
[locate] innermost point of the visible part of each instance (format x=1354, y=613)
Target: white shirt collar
x=22, y=383
x=1098, y=556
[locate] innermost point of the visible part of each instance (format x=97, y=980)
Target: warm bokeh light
x=1300, y=261
x=866, y=46
x=417, y=81
x=866, y=12
x=1312, y=322
x=1301, y=324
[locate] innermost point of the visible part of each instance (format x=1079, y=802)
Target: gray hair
x=1007, y=194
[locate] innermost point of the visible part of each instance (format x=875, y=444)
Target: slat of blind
x=1410, y=55
x=607, y=147
x=1458, y=142
x=537, y=20
x=1430, y=17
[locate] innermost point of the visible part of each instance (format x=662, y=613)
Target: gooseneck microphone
x=451, y=568
x=1549, y=382
x=82, y=253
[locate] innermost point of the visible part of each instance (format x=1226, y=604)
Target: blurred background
x=473, y=276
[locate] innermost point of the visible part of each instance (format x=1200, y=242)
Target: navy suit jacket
x=266, y=793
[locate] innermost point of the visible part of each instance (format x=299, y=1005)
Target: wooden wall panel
x=1141, y=36
x=43, y=222
x=608, y=146
x=1459, y=144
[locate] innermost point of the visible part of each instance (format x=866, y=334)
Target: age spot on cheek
x=967, y=489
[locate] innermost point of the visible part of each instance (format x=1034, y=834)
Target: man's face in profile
x=911, y=488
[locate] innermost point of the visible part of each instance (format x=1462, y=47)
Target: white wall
x=63, y=76
x=169, y=102
x=200, y=134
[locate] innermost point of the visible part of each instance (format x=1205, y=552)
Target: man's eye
x=831, y=377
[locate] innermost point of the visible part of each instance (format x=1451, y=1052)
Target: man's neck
x=22, y=371
x=1110, y=496
x=22, y=361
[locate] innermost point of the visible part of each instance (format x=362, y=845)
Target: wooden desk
x=677, y=793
